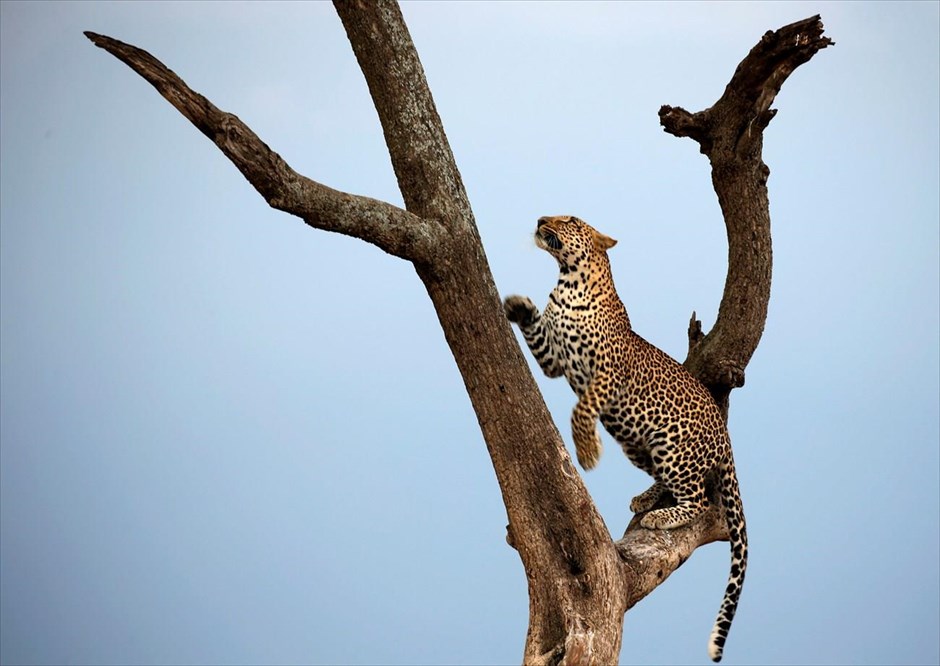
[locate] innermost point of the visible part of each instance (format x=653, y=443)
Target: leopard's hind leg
x=685, y=479
x=640, y=459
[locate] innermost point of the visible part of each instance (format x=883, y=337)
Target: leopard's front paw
x=520, y=310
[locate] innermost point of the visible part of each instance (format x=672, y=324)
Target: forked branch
x=730, y=134
x=393, y=229
x=562, y=540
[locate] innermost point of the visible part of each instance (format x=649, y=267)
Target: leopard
x=665, y=420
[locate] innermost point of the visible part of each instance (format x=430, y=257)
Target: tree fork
x=580, y=581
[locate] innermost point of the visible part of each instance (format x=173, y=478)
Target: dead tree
x=581, y=580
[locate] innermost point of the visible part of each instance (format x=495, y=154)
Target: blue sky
x=229, y=438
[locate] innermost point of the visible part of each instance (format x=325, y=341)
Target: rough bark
x=581, y=582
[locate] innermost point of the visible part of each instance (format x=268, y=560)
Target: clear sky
x=228, y=438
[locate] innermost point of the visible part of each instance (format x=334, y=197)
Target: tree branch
x=730, y=133
x=651, y=556
x=394, y=230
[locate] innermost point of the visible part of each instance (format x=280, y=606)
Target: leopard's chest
x=575, y=342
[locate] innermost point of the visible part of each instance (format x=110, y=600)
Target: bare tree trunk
x=580, y=581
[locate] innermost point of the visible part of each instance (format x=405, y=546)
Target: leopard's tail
x=737, y=532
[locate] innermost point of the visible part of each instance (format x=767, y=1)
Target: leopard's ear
x=602, y=242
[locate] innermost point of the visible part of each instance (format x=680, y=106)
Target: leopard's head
x=570, y=240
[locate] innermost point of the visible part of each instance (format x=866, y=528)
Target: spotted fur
x=666, y=421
